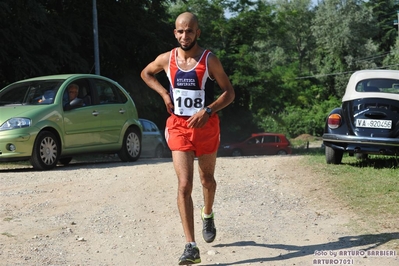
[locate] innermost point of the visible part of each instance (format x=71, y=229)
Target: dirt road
x=270, y=210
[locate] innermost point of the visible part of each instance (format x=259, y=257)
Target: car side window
x=149, y=126
x=83, y=94
x=251, y=141
x=269, y=139
x=255, y=140
x=146, y=126
x=154, y=128
x=107, y=93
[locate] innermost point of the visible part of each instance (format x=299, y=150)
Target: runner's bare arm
x=148, y=75
x=216, y=72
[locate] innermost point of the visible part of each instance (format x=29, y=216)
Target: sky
x=314, y=2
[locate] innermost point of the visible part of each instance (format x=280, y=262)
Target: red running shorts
x=203, y=140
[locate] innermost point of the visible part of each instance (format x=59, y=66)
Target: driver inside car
x=73, y=91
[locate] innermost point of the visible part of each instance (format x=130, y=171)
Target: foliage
x=392, y=59
x=385, y=12
x=343, y=30
x=295, y=120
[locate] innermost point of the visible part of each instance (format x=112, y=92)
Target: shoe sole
x=209, y=240
x=187, y=262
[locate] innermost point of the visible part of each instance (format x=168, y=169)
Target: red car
x=258, y=144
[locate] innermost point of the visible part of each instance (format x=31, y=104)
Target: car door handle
x=122, y=111
x=95, y=113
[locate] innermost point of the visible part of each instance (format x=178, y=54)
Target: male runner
x=192, y=130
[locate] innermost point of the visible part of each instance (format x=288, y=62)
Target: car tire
x=46, y=151
x=281, y=152
x=131, y=146
x=65, y=161
x=159, y=151
x=333, y=156
x=236, y=153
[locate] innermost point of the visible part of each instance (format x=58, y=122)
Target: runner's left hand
x=198, y=120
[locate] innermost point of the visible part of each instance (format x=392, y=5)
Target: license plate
x=374, y=123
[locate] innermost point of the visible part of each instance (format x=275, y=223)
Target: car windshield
x=30, y=93
x=379, y=85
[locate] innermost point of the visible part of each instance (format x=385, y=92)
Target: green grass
x=370, y=188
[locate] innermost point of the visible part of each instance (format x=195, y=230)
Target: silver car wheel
x=133, y=144
x=48, y=150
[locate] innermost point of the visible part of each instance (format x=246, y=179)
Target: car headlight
x=226, y=147
x=16, y=122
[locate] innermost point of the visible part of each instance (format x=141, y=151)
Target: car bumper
x=23, y=144
x=355, y=144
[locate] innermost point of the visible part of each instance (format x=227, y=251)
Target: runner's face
x=186, y=35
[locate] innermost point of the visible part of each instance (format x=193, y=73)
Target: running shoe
x=191, y=255
x=208, y=227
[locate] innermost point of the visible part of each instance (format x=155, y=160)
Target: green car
x=41, y=122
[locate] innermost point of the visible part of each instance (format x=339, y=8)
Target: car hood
x=10, y=111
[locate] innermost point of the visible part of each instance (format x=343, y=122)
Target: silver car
x=153, y=142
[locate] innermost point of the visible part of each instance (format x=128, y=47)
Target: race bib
x=188, y=102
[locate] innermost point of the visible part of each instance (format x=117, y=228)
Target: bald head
x=187, y=18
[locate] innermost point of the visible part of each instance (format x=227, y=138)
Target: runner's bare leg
x=183, y=163
x=206, y=167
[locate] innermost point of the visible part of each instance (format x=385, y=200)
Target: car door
x=270, y=145
x=111, y=109
x=253, y=146
x=149, y=139
x=81, y=126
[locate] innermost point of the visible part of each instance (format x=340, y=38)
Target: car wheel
x=333, y=156
x=46, y=151
x=65, y=161
x=361, y=156
x=159, y=152
x=236, y=153
x=131, y=146
x=281, y=152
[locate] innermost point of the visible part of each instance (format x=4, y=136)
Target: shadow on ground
x=343, y=243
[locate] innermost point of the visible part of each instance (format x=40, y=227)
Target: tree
x=34, y=42
x=294, y=20
x=343, y=30
x=385, y=12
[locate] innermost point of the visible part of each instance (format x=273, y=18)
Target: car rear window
x=378, y=85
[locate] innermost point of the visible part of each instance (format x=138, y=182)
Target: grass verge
x=369, y=187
